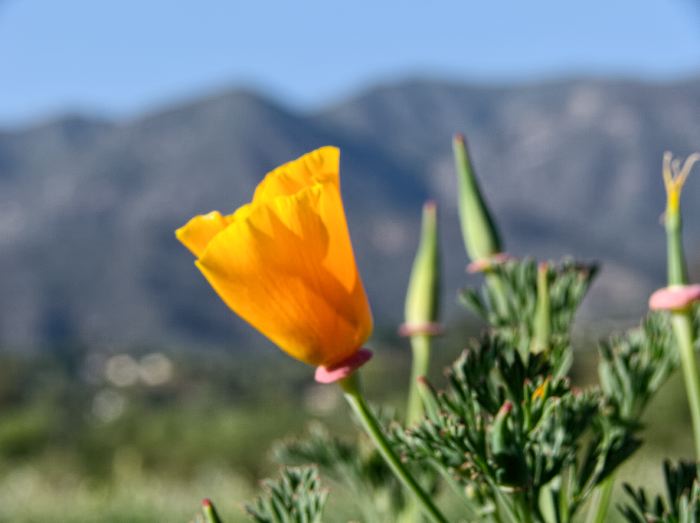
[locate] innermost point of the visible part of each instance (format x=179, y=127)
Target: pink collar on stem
x=485, y=264
x=416, y=329
x=674, y=298
x=344, y=368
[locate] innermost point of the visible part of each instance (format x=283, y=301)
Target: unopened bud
x=210, y=514
x=481, y=237
x=423, y=296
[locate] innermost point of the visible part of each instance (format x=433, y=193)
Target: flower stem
x=542, y=327
x=498, y=291
x=681, y=319
x=683, y=328
x=460, y=492
x=601, y=501
x=420, y=345
x=525, y=514
x=351, y=389
x=677, y=270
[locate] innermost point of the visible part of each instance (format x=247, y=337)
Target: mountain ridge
x=88, y=206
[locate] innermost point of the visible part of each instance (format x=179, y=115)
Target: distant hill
x=88, y=207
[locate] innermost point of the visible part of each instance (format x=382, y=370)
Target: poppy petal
x=289, y=270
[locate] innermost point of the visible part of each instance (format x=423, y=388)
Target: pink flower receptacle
x=343, y=369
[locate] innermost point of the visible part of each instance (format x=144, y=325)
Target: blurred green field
x=143, y=435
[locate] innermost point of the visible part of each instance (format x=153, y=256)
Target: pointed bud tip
x=507, y=407
x=459, y=138
x=543, y=266
x=430, y=206
x=206, y=503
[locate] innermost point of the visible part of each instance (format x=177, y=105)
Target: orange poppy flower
x=284, y=262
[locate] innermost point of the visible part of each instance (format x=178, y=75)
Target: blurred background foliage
x=142, y=435
x=127, y=390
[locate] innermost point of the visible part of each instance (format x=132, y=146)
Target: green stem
x=524, y=508
x=498, y=290
x=350, y=386
x=502, y=501
x=677, y=271
x=420, y=345
x=458, y=490
x=601, y=501
x=683, y=328
x=496, y=515
x=564, y=495
x=682, y=320
x=542, y=327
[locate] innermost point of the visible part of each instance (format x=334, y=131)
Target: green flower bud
x=210, y=514
x=481, y=237
x=423, y=296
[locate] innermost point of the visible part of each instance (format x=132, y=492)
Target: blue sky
x=121, y=57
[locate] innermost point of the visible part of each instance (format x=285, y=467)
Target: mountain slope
x=88, y=207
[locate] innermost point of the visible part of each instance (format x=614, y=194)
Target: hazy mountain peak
x=88, y=208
